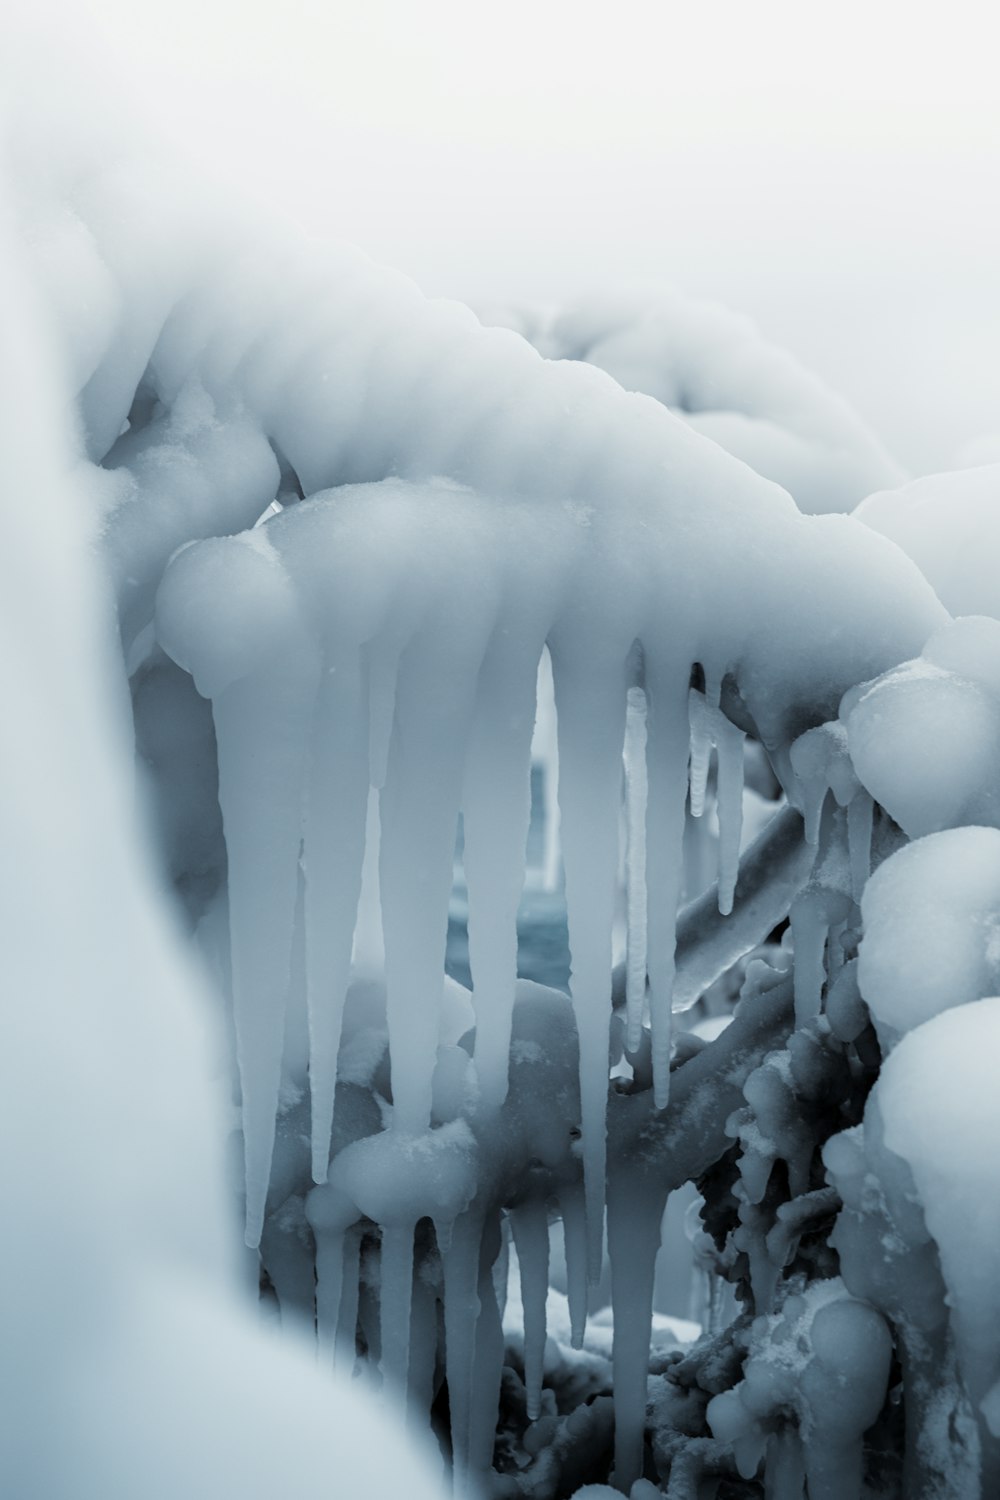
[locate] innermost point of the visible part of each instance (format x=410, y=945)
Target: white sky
x=832, y=169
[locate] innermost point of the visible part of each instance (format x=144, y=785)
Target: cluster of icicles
x=418, y=684
x=371, y=654
x=371, y=678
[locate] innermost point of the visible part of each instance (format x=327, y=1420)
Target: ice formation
x=375, y=536
x=931, y=929
x=715, y=370
x=948, y=524
x=921, y=737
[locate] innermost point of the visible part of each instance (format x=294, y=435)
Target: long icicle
x=729, y=803
x=544, y=748
x=635, y=1212
x=667, y=756
x=530, y=1223
x=590, y=697
x=345, y=1349
x=419, y=811
x=636, y=796
x=461, y=1311
x=487, y=1373
x=333, y=851
x=395, y=1303
x=700, y=751
x=496, y=807
x=574, y=1220
x=329, y=1286
x=261, y=797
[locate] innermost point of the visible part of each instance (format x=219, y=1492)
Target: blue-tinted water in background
x=542, y=942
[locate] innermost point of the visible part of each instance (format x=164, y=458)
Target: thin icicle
x=530, y=1223
x=419, y=810
x=860, y=811
x=395, y=1302
x=667, y=690
x=461, y=1310
x=809, y=925
x=423, y=1352
x=261, y=799
x=345, y=1350
x=487, y=1372
x=544, y=751
x=635, y=1213
x=574, y=1221
x=333, y=852
x=331, y=1215
x=729, y=800
x=329, y=1284
x=814, y=794
x=700, y=751
x=636, y=792
x=496, y=807
x=383, y=666
x=591, y=700
x=369, y=942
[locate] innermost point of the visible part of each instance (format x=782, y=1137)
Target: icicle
x=331, y=1215
x=345, y=1350
x=332, y=858
x=419, y=811
x=860, y=812
x=329, y=1284
x=544, y=751
x=496, y=806
x=530, y=1223
x=487, y=1369
x=772, y=873
x=729, y=795
x=700, y=752
x=461, y=1310
x=383, y=666
x=635, y=801
x=809, y=925
x=814, y=794
x=395, y=1301
x=261, y=799
x=423, y=1350
x=590, y=697
x=574, y=1220
x=635, y=1212
x=667, y=690
x=369, y=943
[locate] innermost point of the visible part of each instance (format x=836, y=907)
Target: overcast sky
x=833, y=170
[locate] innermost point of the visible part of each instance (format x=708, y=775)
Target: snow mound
x=931, y=929
x=950, y=525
